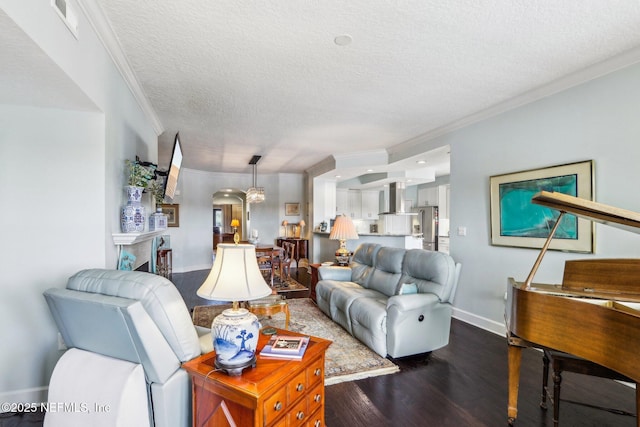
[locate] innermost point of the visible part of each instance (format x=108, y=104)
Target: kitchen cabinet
x=435, y=196
x=342, y=201
x=443, y=244
x=354, y=201
x=428, y=196
x=349, y=202
x=370, y=204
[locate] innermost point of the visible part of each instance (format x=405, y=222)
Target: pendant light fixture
x=255, y=194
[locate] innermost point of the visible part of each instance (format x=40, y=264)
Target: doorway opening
x=227, y=205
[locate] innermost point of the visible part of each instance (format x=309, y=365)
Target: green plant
x=156, y=188
x=139, y=176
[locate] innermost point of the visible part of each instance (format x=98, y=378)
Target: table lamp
x=301, y=224
x=285, y=224
x=235, y=224
x=235, y=277
x=343, y=230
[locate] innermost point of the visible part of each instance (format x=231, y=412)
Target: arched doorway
x=228, y=204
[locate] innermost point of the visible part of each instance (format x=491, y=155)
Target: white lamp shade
x=235, y=275
x=343, y=229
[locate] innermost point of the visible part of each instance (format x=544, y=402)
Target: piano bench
x=566, y=362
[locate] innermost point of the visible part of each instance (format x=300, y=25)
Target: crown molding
x=576, y=78
x=106, y=35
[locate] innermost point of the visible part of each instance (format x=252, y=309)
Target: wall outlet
x=462, y=231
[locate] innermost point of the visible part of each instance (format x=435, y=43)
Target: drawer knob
x=277, y=406
x=317, y=423
x=317, y=372
x=300, y=387
x=300, y=415
x=317, y=398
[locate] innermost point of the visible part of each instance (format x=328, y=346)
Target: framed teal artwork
x=515, y=221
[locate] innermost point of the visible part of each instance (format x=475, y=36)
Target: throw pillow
x=408, y=288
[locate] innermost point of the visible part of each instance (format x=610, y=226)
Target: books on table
x=285, y=347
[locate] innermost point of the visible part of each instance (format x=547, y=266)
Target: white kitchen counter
x=324, y=249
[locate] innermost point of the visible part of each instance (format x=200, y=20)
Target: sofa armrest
x=328, y=272
x=412, y=301
x=205, y=339
x=417, y=323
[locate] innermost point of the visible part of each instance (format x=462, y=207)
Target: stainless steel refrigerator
x=425, y=224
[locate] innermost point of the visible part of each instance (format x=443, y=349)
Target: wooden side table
x=269, y=306
x=314, y=281
x=277, y=392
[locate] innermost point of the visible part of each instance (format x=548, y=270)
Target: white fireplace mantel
x=135, y=238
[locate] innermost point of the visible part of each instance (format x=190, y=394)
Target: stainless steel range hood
x=395, y=200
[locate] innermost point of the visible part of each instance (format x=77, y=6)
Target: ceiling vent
x=66, y=12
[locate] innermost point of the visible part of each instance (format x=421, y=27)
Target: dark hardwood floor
x=463, y=384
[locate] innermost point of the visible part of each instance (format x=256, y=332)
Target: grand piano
x=594, y=314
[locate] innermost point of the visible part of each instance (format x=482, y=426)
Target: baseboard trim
x=497, y=328
x=192, y=268
x=32, y=396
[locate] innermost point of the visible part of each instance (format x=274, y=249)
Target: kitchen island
x=324, y=249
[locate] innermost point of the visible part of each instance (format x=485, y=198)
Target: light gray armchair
x=396, y=301
x=136, y=317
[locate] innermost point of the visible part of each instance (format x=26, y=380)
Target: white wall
x=597, y=120
x=62, y=174
x=51, y=225
x=192, y=242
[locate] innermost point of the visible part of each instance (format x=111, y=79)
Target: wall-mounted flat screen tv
x=171, y=182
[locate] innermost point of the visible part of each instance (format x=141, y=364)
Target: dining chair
x=287, y=256
x=266, y=263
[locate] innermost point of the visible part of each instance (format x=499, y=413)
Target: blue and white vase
x=235, y=339
x=132, y=215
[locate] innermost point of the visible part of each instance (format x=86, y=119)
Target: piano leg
x=637, y=404
x=545, y=379
x=514, y=358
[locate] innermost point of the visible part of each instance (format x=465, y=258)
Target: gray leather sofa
x=136, y=317
x=396, y=301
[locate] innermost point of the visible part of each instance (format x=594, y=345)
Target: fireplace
x=137, y=244
x=144, y=267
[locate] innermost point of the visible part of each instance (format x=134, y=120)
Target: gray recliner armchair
x=135, y=317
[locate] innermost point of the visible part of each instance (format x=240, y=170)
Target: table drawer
x=297, y=387
x=298, y=415
x=275, y=405
x=316, y=419
x=315, y=398
x=315, y=372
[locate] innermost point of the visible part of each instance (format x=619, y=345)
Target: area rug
x=347, y=359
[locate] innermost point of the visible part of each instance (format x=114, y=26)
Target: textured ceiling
x=239, y=77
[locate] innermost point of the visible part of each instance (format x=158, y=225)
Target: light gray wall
x=61, y=177
x=597, y=120
x=192, y=241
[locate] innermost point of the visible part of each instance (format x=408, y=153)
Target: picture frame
x=517, y=222
x=172, y=211
x=292, y=209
